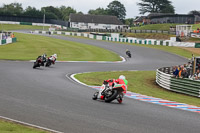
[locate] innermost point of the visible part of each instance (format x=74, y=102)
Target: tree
x=80, y=13
x=115, y=8
x=52, y=12
x=129, y=22
x=98, y=11
x=156, y=6
x=65, y=11
x=33, y=12
x=194, y=12
x=12, y=9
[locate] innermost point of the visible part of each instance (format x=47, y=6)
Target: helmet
x=44, y=55
x=122, y=77
x=55, y=55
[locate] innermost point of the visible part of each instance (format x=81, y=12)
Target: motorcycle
x=39, y=62
x=128, y=53
x=50, y=60
x=110, y=91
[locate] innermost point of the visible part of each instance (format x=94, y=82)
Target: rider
x=53, y=58
x=120, y=81
x=43, y=57
x=128, y=52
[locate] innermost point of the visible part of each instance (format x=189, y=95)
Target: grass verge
x=149, y=35
x=142, y=82
x=181, y=51
x=6, y=27
x=165, y=27
x=10, y=127
x=28, y=47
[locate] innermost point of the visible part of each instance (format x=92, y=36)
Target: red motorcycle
x=39, y=62
x=110, y=91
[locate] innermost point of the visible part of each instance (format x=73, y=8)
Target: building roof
x=100, y=19
x=140, y=19
x=161, y=15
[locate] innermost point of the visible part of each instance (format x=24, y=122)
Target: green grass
x=175, y=50
x=10, y=127
x=165, y=27
x=195, y=26
x=171, y=49
x=28, y=47
x=142, y=82
x=7, y=27
x=149, y=35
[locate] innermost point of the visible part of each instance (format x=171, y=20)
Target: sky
x=132, y=10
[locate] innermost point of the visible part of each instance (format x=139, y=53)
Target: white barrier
x=78, y=34
x=163, y=79
x=91, y=36
x=41, y=24
x=67, y=33
x=59, y=32
x=130, y=40
x=9, y=22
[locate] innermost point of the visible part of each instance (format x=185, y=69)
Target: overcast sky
x=181, y=6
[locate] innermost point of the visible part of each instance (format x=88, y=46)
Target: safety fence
x=165, y=79
x=122, y=39
x=130, y=31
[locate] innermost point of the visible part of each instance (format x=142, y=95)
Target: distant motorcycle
x=39, y=61
x=128, y=53
x=110, y=92
x=51, y=60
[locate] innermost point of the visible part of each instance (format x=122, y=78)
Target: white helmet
x=122, y=77
x=55, y=55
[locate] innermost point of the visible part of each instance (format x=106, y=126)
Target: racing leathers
x=114, y=82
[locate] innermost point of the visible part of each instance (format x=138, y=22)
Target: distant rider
x=128, y=53
x=43, y=57
x=53, y=58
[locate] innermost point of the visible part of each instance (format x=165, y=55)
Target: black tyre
x=47, y=64
x=35, y=65
x=110, y=95
x=95, y=95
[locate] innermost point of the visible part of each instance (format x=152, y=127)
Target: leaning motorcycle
x=39, y=62
x=110, y=91
x=50, y=60
x=128, y=54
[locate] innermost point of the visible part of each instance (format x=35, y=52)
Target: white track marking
x=30, y=125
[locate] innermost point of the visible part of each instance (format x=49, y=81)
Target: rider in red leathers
x=121, y=81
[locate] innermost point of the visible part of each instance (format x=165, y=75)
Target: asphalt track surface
x=45, y=97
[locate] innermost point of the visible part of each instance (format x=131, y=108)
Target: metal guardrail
x=185, y=86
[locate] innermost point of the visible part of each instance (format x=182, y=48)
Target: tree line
x=114, y=8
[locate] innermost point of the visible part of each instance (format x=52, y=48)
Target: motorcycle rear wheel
x=110, y=98
x=95, y=95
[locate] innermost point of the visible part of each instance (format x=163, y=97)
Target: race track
x=45, y=97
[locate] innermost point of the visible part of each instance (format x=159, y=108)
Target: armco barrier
x=185, y=86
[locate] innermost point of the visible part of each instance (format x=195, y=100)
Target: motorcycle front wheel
x=35, y=65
